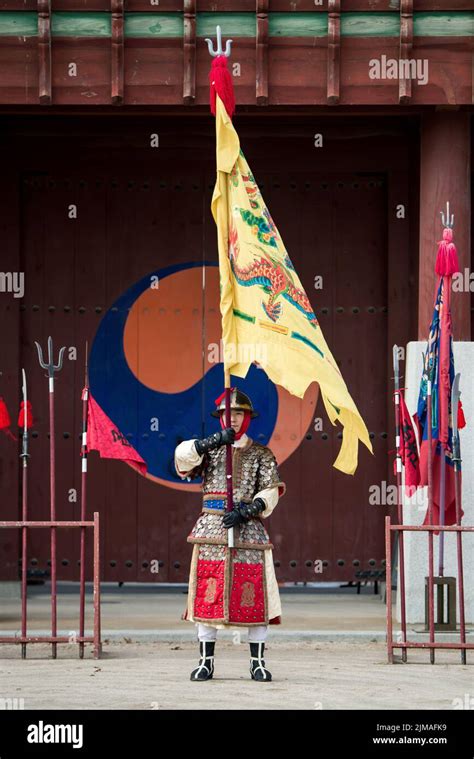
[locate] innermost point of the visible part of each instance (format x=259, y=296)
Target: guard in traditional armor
x=236, y=586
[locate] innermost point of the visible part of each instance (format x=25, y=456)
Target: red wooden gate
x=139, y=210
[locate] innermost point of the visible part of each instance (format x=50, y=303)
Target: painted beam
x=431, y=24
x=171, y=25
x=242, y=6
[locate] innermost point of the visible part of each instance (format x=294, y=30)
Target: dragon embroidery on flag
x=262, y=224
x=273, y=278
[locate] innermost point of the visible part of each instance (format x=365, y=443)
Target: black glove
x=243, y=512
x=234, y=517
x=215, y=441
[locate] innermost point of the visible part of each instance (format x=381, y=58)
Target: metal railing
x=54, y=638
x=404, y=644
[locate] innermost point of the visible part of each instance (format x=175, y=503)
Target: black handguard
x=249, y=510
x=215, y=441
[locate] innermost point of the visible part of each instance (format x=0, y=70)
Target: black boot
x=257, y=662
x=205, y=669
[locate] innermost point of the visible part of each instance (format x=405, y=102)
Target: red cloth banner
x=408, y=449
x=104, y=436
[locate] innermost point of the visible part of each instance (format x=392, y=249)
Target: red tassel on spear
x=5, y=421
x=447, y=262
x=461, y=417
x=220, y=83
x=220, y=80
x=29, y=415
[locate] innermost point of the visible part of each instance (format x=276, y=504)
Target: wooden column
x=445, y=174
x=44, y=51
x=406, y=48
x=262, y=53
x=118, y=54
x=189, y=52
x=334, y=52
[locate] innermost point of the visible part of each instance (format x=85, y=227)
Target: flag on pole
x=104, y=436
x=266, y=314
x=439, y=368
x=408, y=449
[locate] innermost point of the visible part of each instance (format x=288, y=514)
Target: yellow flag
x=266, y=314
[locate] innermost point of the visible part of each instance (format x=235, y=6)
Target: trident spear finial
x=210, y=45
x=447, y=221
x=50, y=366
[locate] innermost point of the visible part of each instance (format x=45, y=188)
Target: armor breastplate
x=254, y=468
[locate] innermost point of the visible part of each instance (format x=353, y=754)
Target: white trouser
x=256, y=633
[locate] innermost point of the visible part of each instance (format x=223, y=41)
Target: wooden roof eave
x=282, y=58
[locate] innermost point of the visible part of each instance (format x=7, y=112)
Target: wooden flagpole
x=230, y=490
x=220, y=82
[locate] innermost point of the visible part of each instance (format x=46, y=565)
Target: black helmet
x=238, y=401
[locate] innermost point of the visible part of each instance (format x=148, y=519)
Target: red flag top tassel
x=220, y=82
x=5, y=419
x=447, y=259
x=29, y=415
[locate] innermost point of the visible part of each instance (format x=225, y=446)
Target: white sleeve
x=271, y=498
x=186, y=458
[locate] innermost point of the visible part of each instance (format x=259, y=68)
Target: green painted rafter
x=162, y=25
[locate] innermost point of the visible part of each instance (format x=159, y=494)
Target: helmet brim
x=217, y=413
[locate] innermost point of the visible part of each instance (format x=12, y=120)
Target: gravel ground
x=322, y=675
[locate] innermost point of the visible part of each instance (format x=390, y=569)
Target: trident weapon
x=229, y=487
x=24, y=511
x=52, y=368
x=447, y=221
x=455, y=395
x=219, y=51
